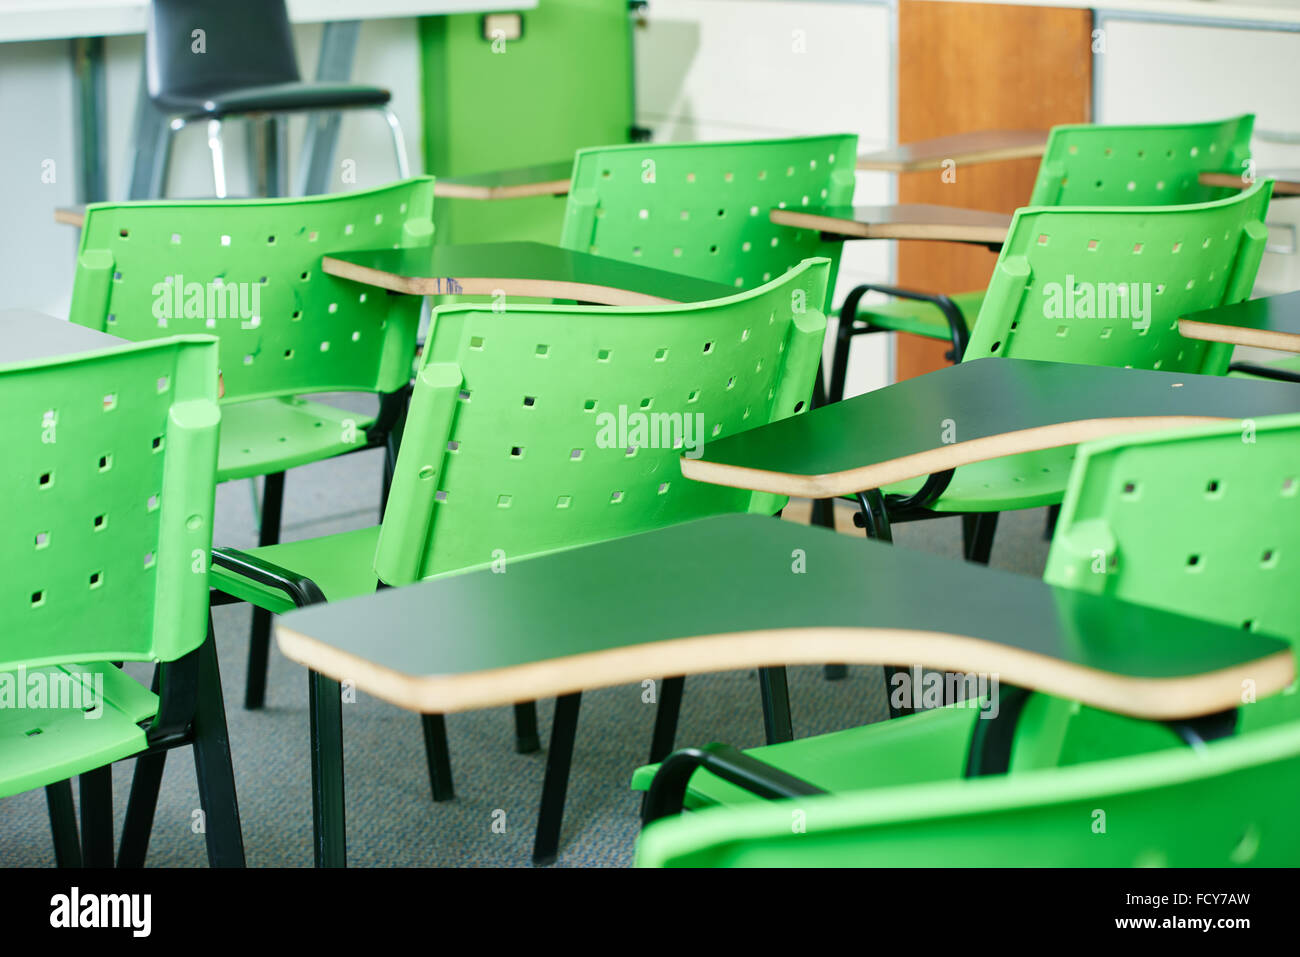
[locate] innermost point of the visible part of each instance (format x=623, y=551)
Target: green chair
x=545, y=427
x=1203, y=521
x=701, y=209
x=1101, y=286
x=107, y=506
x=248, y=271
x=1082, y=165
x=1229, y=805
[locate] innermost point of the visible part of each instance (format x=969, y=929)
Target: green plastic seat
x=107, y=505
x=1228, y=805
x=1095, y=165
x=307, y=332
x=1143, y=521
x=702, y=208
x=544, y=427
x=512, y=443
x=1171, y=260
x=249, y=272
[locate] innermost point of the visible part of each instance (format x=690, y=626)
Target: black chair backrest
x=195, y=46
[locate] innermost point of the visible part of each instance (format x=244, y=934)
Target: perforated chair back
x=1230, y=804
x=249, y=271
x=702, y=208
x=242, y=43
x=544, y=427
x=106, y=499
x=1106, y=286
x=1150, y=165
x=1202, y=521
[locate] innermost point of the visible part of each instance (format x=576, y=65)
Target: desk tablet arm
x=302, y=591
x=668, y=789
x=850, y=326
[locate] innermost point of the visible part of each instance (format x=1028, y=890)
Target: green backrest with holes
x=1106, y=285
x=1153, y=165
x=544, y=427
x=1231, y=804
x=702, y=208
x=1203, y=521
x=106, y=499
x=250, y=273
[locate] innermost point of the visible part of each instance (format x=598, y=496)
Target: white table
x=86, y=22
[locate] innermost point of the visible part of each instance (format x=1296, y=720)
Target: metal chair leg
x=329, y=824
x=259, y=645
x=564, y=730
x=526, y=740
x=775, y=693
x=97, y=817
x=140, y=807
x=63, y=824
x=977, y=535
x=212, y=765
x=399, y=143
x=666, y=714
x=438, y=755
x=218, y=159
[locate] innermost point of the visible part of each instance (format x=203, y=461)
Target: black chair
x=207, y=60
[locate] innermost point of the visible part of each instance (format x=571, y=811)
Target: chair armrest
x=302, y=591
x=1264, y=371
x=668, y=789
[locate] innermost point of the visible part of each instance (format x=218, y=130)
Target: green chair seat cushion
x=264, y=436
x=1028, y=480
x=42, y=744
x=928, y=746
x=342, y=565
x=920, y=318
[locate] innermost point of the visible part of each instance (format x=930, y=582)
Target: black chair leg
x=97, y=817
x=526, y=740
x=63, y=824
x=216, y=774
x=666, y=714
x=1049, y=529
x=329, y=823
x=259, y=647
x=438, y=755
x=140, y=807
x=776, y=704
x=977, y=535
x=564, y=730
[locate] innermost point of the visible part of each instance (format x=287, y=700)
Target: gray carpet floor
x=392, y=819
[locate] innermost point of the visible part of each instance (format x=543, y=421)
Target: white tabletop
x=57, y=19
x=1241, y=11
x=25, y=335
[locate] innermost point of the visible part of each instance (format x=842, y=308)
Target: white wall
x=727, y=69
x=37, y=118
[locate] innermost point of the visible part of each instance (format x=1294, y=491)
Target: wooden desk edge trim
x=878, y=475
x=1239, y=335
x=452, y=190
x=938, y=232
x=69, y=217
x=481, y=286
x=992, y=155
x=1147, y=698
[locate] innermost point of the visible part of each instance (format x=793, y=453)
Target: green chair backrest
x=1202, y=521
x=106, y=500
x=1150, y=165
x=702, y=208
x=249, y=272
x=543, y=427
x=1231, y=804
x=1106, y=285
